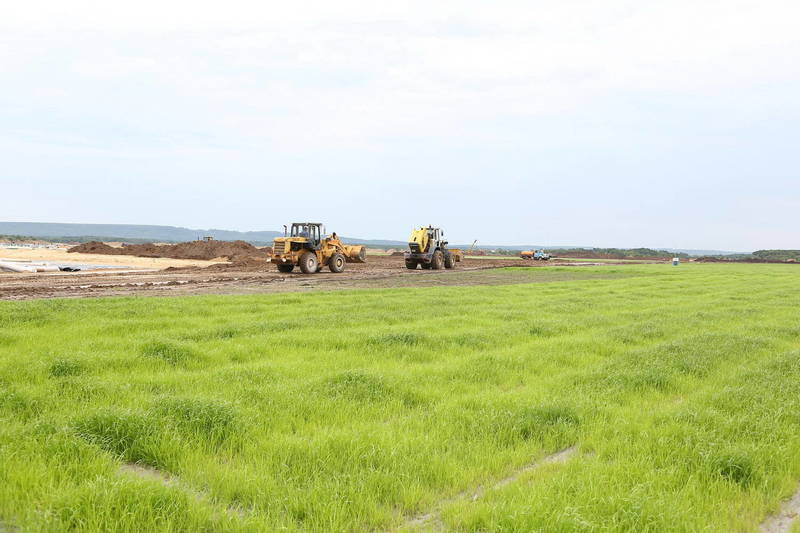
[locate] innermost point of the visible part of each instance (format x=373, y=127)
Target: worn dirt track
x=249, y=278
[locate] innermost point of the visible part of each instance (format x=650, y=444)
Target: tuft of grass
x=169, y=352
x=357, y=386
x=129, y=435
x=19, y=405
x=66, y=367
x=735, y=466
x=210, y=420
x=397, y=339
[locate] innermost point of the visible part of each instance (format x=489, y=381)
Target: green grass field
x=362, y=410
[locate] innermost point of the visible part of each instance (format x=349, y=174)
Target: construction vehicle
x=537, y=255
x=305, y=245
x=428, y=249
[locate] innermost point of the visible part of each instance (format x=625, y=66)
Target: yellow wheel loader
x=428, y=249
x=305, y=245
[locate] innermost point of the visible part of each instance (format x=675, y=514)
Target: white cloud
x=389, y=87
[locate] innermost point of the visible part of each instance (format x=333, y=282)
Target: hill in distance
x=149, y=233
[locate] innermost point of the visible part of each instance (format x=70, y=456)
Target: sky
x=615, y=123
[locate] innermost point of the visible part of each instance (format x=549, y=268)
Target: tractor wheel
x=425, y=266
x=438, y=260
x=308, y=263
x=449, y=262
x=285, y=268
x=411, y=264
x=336, y=263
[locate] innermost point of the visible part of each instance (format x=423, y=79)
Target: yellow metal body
x=283, y=251
x=420, y=238
x=526, y=254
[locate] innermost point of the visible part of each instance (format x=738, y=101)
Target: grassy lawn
x=359, y=410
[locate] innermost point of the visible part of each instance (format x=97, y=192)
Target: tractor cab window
x=309, y=231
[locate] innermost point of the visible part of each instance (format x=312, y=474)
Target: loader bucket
x=355, y=254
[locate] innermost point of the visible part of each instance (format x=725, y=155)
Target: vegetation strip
x=433, y=518
x=782, y=521
x=151, y=474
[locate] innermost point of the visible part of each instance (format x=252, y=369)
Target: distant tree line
x=765, y=255
x=85, y=238
x=617, y=253
x=777, y=255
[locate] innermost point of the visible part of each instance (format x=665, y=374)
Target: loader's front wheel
x=336, y=263
x=285, y=268
x=449, y=261
x=438, y=260
x=411, y=264
x=308, y=263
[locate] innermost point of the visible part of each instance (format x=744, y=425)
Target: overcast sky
x=615, y=123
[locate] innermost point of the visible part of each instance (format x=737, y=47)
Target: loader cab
x=312, y=231
x=435, y=234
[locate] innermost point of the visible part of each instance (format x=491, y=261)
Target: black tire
x=438, y=260
x=425, y=266
x=336, y=263
x=411, y=264
x=449, y=262
x=285, y=267
x=308, y=263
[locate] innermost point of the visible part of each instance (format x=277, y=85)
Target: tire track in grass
x=782, y=521
x=432, y=519
x=149, y=473
x=5, y=527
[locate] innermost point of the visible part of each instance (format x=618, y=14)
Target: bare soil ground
x=252, y=276
x=57, y=255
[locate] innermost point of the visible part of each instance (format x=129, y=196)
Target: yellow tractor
x=306, y=246
x=428, y=249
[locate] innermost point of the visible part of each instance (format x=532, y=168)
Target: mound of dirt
x=205, y=250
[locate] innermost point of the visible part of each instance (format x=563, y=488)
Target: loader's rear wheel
x=411, y=264
x=449, y=262
x=308, y=263
x=336, y=263
x=438, y=260
x=285, y=268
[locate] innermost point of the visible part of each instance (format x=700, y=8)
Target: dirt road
x=378, y=272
